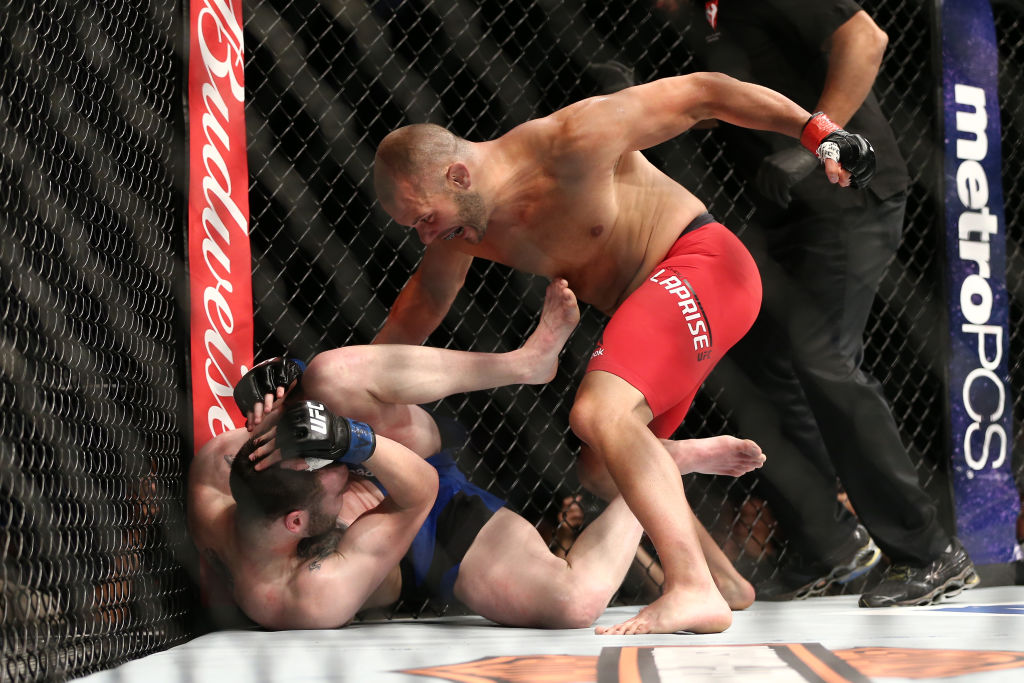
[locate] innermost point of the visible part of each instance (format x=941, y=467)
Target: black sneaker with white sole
x=797, y=580
x=904, y=585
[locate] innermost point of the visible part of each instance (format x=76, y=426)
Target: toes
x=626, y=628
x=610, y=630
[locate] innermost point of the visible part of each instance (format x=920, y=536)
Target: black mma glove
x=264, y=378
x=780, y=171
x=308, y=430
x=828, y=141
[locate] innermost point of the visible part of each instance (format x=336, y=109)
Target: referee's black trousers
x=796, y=385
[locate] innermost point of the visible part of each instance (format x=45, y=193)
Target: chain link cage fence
x=92, y=363
x=91, y=367
x=326, y=83
x=1009, y=19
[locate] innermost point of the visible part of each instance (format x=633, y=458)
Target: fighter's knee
x=595, y=420
x=316, y=373
x=584, y=417
x=331, y=368
x=578, y=619
x=583, y=606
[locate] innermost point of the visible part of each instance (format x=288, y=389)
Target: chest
x=566, y=223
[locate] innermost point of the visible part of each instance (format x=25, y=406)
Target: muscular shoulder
x=208, y=489
x=314, y=595
x=212, y=464
x=577, y=132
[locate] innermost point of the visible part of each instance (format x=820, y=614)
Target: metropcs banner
x=220, y=270
x=981, y=408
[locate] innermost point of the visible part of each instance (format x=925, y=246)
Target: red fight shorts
x=667, y=336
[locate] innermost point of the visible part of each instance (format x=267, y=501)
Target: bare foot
x=558, y=319
x=716, y=455
x=687, y=609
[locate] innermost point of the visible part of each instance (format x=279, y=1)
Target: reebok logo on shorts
x=689, y=306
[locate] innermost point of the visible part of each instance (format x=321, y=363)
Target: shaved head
x=418, y=154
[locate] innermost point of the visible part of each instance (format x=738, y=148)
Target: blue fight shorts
x=431, y=566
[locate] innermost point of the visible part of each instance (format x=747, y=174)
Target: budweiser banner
x=980, y=403
x=220, y=270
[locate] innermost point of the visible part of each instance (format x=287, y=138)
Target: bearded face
x=470, y=212
x=322, y=519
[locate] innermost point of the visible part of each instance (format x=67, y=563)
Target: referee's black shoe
x=797, y=580
x=904, y=585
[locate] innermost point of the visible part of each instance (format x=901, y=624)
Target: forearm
x=411, y=482
x=426, y=298
x=752, y=106
x=414, y=315
x=654, y=112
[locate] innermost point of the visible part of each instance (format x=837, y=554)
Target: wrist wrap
x=815, y=130
x=853, y=152
x=308, y=430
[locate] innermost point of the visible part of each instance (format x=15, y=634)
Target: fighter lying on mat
x=310, y=549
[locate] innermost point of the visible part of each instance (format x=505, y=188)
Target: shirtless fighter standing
x=570, y=196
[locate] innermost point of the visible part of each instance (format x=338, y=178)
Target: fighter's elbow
x=423, y=501
x=860, y=38
x=711, y=83
x=871, y=41
x=879, y=41
x=711, y=91
x=431, y=485
x=415, y=497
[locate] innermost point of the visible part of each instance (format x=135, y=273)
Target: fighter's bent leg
x=401, y=374
x=611, y=417
x=724, y=455
x=382, y=384
x=509, y=576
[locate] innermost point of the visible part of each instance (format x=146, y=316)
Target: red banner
x=220, y=270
